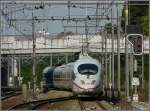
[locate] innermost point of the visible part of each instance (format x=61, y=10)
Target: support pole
x=106, y=72
x=126, y=55
x=66, y=58
x=113, y=53
x=19, y=71
x=131, y=68
x=58, y=59
x=69, y=5
x=12, y=70
x=8, y=70
x=51, y=60
x=142, y=71
x=110, y=72
x=85, y=50
x=97, y=6
x=118, y=47
x=76, y=27
x=33, y=56
x=149, y=54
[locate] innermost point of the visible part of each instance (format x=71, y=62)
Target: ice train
x=83, y=77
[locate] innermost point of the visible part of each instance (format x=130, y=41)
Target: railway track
x=36, y=104
x=105, y=105
x=8, y=92
x=94, y=105
x=9, y=95
x=7, y=89
x=82, y=104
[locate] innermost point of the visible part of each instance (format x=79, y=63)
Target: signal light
x=137, y=42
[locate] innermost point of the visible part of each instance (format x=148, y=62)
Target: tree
x=138, y=15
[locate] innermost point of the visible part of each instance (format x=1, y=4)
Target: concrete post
x=19, y=71
x=24, y=92
x=41, y=89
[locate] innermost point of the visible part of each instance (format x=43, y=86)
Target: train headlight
x=82, y=82
x=93, y=82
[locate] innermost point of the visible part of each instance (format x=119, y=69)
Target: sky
x=20, y=11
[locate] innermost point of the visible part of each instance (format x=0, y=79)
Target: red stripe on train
x=64, y=80
x=84, y=88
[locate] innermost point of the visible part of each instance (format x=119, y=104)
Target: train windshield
x=87, y=69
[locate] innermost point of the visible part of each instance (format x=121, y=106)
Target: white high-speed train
x=84, y=77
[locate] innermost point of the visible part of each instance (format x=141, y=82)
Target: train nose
x=93, y=82
x=89, y=90
x=88, y=85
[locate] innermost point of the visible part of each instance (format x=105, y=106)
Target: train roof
x=46, y=69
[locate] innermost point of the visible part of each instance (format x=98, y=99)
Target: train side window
x=56, y=76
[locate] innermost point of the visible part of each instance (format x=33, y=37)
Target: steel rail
x=7, y=93
x=100, y=105
x=96, y=102
x=35, y=104
x=105, y=106
x=47, y=102
x=12, y=94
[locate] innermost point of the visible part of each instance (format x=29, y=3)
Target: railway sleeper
x=105, y=105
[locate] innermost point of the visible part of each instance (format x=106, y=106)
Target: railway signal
x=137, y=42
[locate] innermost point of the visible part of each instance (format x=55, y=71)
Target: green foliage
x=122, y=70
x=39, y=68
x=138, y=15
x=26, y=72
x=26, y=67
x=144, y=22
